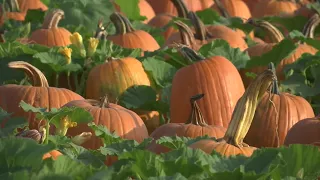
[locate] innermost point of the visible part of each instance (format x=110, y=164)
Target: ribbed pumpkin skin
x=273, y=121
x=114, y=77
x=123, y=122
x=306, y=131
x=26, y=5
x=44, y=97
x=216, y=77
x=136, y=39
x=274, y=8
x=263, y=48
x=183, y=130
x=166, y=6
x=54, y=37
x=235, y=8
x=222, y=148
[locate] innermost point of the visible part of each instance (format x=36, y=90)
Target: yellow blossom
x=65, y=124
x=93, y=44
x=67, y=53
x=76, y=39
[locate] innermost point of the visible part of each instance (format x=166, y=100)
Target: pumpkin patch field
x=159, y=89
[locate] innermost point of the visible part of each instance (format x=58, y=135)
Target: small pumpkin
x=211, y=32
x=216, y=77
x=54, y=154
x=259, y=49
x=114, y=77
x=125, y=123
x=162, y=20
x=38, y=95
x=232, y=142
x=126, y=36
x=306, y=131
x=26, y=5
x=167, y=7
x=50, y=34
x=145, y=10
x=11, y=11
x=275, y=114
x=194, y=127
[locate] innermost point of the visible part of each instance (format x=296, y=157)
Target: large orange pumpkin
x=162, y=20
x=216, y=77
x=211, y=32
x=126, y=36
x=12, y=11
x=125, y=123
x=276, y=113
x=306, y=131
x=38, y=95
x=50, y=34
x=26, y=5
x=114, y=77
x=194, y=127
x=232, y=142
x=166, y=6
x=261, y=48
x=145, y=10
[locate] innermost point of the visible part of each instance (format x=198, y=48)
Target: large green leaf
x=130, y=9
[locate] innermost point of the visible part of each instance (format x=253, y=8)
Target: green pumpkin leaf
x=137, y=97
x=130, y=9
x=221, y=47
x=125, y=146
x=106, y=136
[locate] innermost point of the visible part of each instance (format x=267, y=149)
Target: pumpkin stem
x=34, y=74
x=104, y=102
x=11, y=6
x=190, y=54
x=309, y=28
x=196, y=116
x=275, y=35
x=222, y=9
x=275, y=87
x=181, y=8
x=244, y=111
x=101, y=32
x=186, y=33
x=52, y=19
x=201, y=32
x=121, y=23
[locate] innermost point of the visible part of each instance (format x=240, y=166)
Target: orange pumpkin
x=275, y=115
x=145, y=10
x=26, y=5
x=261, y=48
x=306, y=131
x=54, y=154
x=195, y=126
x=128, y=37
x=251, y=4
x=125, y=123
x=167, y=7
x=150, y=118
x=114, y=77
x=274, y=8
x=38, y=95
x=50, y=34
x=232, y=142
x=216, y=77
x=210, y=33
x=12, y=11
x=162, y=20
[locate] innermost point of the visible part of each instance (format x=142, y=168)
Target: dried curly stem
x=309, y=28
x=52, y=19
x=11, y=6
x=121, y=23
x=201, y=32
x=275, y=87
x=34, y=74
x=189, y=54
x=245, y=109
x=196, y=116
x=222, y=9
x=186, y=33
x=275, y=35
x=181, y=8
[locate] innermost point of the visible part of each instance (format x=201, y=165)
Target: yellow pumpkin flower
x=76, y=39
x=65, y=124
x=67, y=53
x=93, y=44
